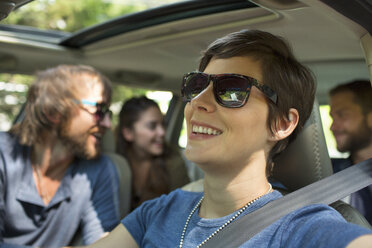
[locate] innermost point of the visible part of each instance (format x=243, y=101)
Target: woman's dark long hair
x=158, y=178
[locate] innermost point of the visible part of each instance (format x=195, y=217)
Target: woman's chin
x=157, y=152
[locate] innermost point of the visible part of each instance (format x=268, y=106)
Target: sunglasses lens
x=232, y=91
x=193, y=84
x=102, y=110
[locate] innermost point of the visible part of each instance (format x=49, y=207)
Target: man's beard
x=78, y=146
x=357, y=140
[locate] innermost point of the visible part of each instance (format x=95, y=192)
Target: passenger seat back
x=306, y=160
x=123, y=169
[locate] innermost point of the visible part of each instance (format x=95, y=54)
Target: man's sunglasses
x=230, y=90
x=102, y=109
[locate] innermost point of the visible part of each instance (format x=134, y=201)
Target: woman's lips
x=199, y=130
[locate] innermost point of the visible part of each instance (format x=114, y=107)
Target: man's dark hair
x=292, y=81
x=362, y=91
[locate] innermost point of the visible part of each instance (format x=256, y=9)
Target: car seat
x=306, y=160
x=303, y=162
x=124, y=172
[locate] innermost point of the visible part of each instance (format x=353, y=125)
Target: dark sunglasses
x=230, y=90
x=102, y=109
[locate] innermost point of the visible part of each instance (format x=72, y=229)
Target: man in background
x=351, y=110
x=53, y=179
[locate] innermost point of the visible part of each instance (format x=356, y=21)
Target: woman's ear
x=285, y=127
x=127, y=134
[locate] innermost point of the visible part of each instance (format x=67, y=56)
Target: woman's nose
x=161, y=130
x=205, y=100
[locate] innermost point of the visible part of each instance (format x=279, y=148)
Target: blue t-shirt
x=160, y=222
x=87, y=198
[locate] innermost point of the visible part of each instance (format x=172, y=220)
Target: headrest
x=306, y=159
x=108, y=142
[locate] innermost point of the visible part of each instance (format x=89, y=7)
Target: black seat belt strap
x=326, y=191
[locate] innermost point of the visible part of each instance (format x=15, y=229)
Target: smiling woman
x=153, y=48
x=233, y=142
x=157, y=168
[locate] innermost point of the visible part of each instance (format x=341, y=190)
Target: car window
x=162, y=98
x=13, y=90
x=71, y=15
x=330, y=140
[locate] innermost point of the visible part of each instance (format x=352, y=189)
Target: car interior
x=154, y=48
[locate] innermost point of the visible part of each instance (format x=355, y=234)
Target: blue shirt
x=159, y=223
x=87, y=198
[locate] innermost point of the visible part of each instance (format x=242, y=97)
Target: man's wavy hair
x=52, y=94
x=292, y=81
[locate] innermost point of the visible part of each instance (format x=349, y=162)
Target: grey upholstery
x=124, y=172
x=350, y=214
x=306, y=160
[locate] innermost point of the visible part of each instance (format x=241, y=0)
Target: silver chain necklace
x=241, y=210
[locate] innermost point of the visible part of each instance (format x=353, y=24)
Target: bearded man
x=53, y=179
x=351, y=111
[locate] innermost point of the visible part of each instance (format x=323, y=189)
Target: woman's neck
x=140, y=166
x=225, y=194
x=138, y=156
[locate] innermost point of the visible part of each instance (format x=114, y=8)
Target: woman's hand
x=361, y=242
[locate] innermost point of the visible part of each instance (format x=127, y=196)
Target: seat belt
x=326, y=191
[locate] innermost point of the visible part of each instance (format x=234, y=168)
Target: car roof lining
x=358, y=11
x=147, y=43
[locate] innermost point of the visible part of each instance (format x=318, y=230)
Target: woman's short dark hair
x=292, y=81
